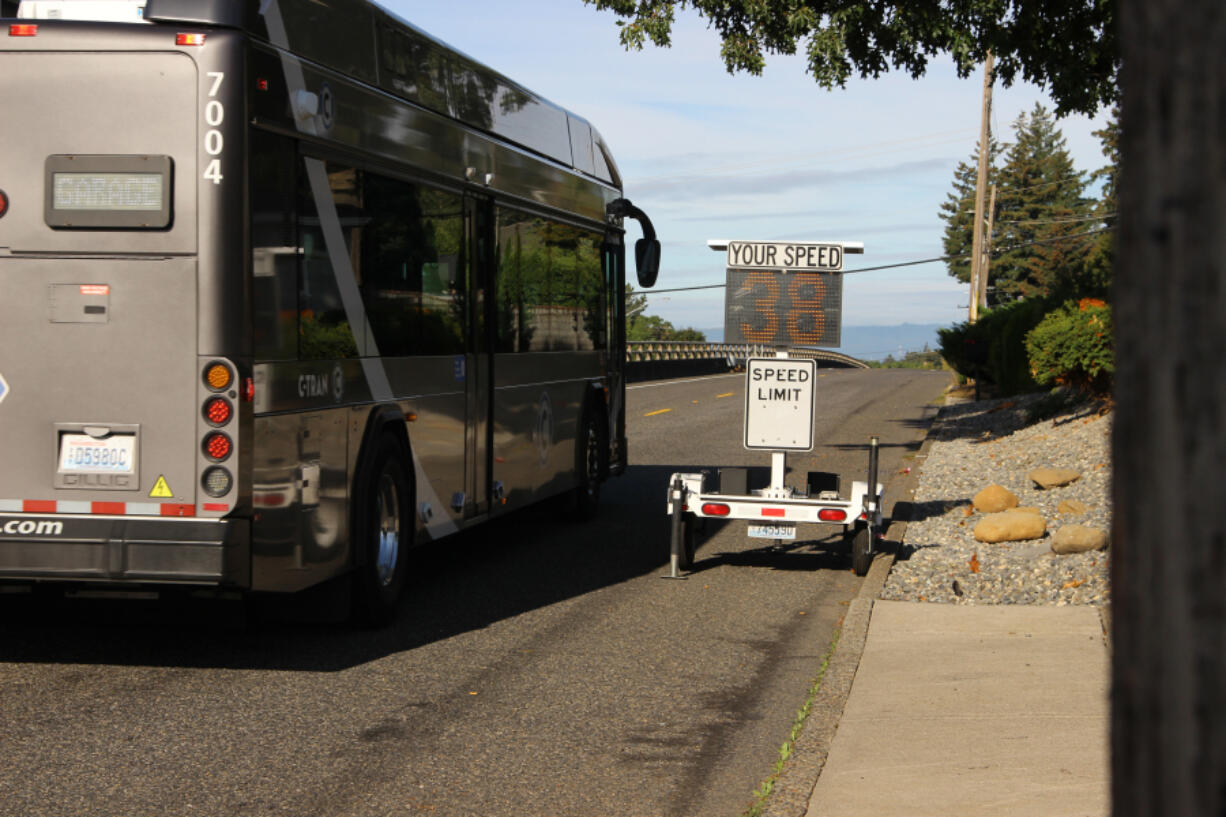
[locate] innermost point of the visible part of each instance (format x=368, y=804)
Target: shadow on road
x=522, y=562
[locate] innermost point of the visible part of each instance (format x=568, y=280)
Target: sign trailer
x=777, y=295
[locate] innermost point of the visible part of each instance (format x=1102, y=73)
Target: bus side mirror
x=647, y=261
x=647, y=248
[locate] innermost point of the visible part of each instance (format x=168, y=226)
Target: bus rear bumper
x=113, y=549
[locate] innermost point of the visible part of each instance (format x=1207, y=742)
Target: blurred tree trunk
x=1169, y=558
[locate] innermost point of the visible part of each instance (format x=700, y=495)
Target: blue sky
x=709, y=155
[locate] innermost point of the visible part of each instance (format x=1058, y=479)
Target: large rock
x=1047, y=478
x=1078, y=539
x=994, y=499
x=1010, y=526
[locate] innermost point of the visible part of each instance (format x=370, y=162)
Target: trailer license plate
x=772, y=531
x=83, y=454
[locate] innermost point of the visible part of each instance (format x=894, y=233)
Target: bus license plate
x=83, y=454
x=780, y=531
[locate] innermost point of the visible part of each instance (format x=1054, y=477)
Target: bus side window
x=324, y=332
x=274, y=247
x=550, y=285
x=413, y=273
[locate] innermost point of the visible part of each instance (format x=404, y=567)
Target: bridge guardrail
x=735, y=354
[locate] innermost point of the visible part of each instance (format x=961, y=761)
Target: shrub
x=1072, y=347
x=994, y=347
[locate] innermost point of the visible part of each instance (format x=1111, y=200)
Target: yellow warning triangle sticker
x=161, y=489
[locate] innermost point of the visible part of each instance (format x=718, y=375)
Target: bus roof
x=406, y=61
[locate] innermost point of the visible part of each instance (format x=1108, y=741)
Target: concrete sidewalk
x=975, y=711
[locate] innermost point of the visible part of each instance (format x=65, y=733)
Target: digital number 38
x=802, y=314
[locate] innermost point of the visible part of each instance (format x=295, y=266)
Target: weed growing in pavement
x=763, y=793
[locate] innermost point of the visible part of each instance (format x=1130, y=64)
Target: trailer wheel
x=382, y=532
x=689, y=529
x=861, y=550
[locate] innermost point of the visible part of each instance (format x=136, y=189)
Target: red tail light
x=218, y=411
x=189, y=39
x=832, y=515
x=217, y=446
x=23, y=30
x=715, y=509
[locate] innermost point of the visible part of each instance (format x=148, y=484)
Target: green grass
x=763, y=792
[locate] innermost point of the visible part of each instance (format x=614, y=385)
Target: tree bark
x=1169, y=552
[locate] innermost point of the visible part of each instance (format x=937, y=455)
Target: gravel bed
x=989, y=441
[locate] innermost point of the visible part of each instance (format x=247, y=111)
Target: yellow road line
x=728, y=394
x=657, y=411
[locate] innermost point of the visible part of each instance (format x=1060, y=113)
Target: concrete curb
x=794, y=786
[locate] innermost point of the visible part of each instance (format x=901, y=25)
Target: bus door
x=479, y=218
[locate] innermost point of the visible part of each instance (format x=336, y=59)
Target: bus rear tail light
x=218, y=411
x=248, y=389
x=715, y=509
x=189, y=39
x=217, y=446
x=23, y=30
x=832, y=515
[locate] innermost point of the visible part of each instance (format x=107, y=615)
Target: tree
x=1029, y=38
x=1100, y=261
x=1168, y=552
x=640, y=326
x=1040, y=210
x=958, y=212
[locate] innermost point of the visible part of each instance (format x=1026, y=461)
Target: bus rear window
x=101, y=192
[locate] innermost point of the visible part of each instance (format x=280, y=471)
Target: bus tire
x=382, y=531
x=591, y=462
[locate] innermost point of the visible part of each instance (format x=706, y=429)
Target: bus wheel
x=591, y=449
x=383, y=533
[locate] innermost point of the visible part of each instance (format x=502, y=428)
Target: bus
x=288, y=287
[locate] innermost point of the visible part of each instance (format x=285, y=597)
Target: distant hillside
x=874, y=342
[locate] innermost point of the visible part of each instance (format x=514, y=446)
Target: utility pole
x=979, y=274
x=985, y=264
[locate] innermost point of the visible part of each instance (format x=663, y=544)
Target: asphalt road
x=537, y=666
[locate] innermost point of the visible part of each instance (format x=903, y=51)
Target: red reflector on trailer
x=216, y=506
x=248, y=389
x=114, y=508
x=261, y=84
x=715, y=509
x=189, y=39
x=774, y=512
x=4, y=203
x=176, y=509
x=832, y=515
x=23, y=30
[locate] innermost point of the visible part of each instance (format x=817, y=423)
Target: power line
x=995, y=251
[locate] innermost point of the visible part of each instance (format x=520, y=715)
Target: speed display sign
x=784, y=293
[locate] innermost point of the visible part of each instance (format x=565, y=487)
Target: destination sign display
x=785, y=255
x=777, y=308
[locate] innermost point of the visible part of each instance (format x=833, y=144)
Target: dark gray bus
x=285, y=288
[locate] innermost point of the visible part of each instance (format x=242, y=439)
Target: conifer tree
x=1041, y=215
x=1100, y=261
x=958, y=212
